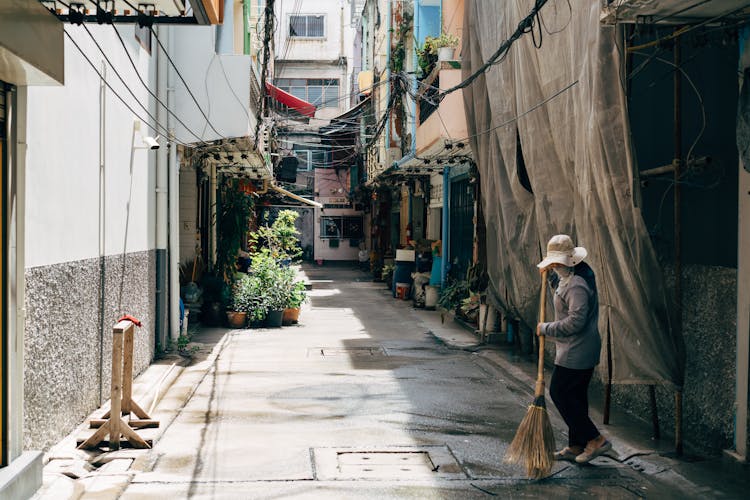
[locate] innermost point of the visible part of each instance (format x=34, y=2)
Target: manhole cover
x=358, y=352
x=388, y=463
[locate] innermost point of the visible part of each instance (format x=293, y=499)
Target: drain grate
x=357, y=352
x=385, y=464
x=397, y=463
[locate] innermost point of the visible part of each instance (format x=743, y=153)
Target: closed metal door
x=461, y=227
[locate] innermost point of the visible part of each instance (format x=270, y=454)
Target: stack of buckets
x=402, y=274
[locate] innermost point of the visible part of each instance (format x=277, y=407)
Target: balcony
x=447, y=119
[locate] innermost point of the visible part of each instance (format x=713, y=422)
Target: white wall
x=321, y=248
x=63, y=195
x=318, y=58
x=329, y=47
x=220, y=84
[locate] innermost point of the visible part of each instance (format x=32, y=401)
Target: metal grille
x=461, y=227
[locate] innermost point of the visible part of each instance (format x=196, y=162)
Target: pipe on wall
x=445, y=237
x=173, y=206
x=161, y=192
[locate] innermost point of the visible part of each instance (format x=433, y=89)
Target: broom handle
x=540, y=368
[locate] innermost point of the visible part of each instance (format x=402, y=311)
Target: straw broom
x=534, y=444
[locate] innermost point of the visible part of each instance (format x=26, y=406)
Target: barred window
x=307, y=26
x=322, y=92
x=341, y=227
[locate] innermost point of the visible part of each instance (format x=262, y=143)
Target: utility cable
x=140, y=78
x=525, y=26
x=130, y=108
x=187, y=87
x=686, y=29
x=517, y=117
x=124, y=83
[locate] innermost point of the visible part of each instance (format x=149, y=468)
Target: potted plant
x=387, y=274
x=297, y=295
x=269, y=284
x=232, y=218
x=241, y=302
x=426, y=57
x=280, y=239
x=445, y=45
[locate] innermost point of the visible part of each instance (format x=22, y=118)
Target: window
x=341, y=227
x=322, y=92
x=307, y=26
x=310, y=158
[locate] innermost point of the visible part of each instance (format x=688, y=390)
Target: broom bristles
x=534, y=444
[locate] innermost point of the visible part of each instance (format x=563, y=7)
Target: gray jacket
x=575, y=327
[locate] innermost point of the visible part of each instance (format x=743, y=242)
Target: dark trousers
x=569, y=390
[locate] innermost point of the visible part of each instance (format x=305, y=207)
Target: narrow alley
x=366, y=398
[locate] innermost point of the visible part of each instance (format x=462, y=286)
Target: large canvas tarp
x=578, y=156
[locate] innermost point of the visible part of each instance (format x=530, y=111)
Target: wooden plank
x=127, y=370
x=136, y=409
x=133, y=438
x=96, y=438
x=135, y=424
x=116, y=389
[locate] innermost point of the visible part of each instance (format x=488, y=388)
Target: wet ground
x=365, y=398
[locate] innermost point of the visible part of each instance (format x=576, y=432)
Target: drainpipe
x=678, y=230
x=388, y=79
x=161, y=188
x=102, y=224
x=445, y=247
x=246, y=27
x=174, y=209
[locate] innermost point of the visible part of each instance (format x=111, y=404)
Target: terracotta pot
x=236, y=319
x=291, y=316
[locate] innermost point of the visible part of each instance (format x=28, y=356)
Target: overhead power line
x=187, y=87
x=145, y=85
x=109, y=86
x=525, y=26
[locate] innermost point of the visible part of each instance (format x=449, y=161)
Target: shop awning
x=291, y=102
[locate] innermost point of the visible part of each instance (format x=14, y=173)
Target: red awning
x=288, y=100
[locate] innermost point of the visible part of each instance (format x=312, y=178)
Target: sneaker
x=566, y=454
x=590, y=453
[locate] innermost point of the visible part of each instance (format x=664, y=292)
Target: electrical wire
x=523, y=27
x=268, y=15
x=517, y=117
x=187, y=87
x=686, y=29
x=570, y=18
x=148, y=89
x=127, y=87
x=130, y=108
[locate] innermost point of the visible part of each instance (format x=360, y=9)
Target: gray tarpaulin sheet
x=578, y=156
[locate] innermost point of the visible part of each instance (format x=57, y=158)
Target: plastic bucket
x=402, y=290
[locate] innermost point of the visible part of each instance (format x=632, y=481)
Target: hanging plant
x=232, y=219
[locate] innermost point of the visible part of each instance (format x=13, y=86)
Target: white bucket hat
x=560, y=250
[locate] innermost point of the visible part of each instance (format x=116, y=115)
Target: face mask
x=562, y=272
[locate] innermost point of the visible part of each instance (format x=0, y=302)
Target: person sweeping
x=578, y=344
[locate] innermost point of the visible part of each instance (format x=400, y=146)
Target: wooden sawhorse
x=112, y=423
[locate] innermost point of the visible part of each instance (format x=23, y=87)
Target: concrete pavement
x=366, y=398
